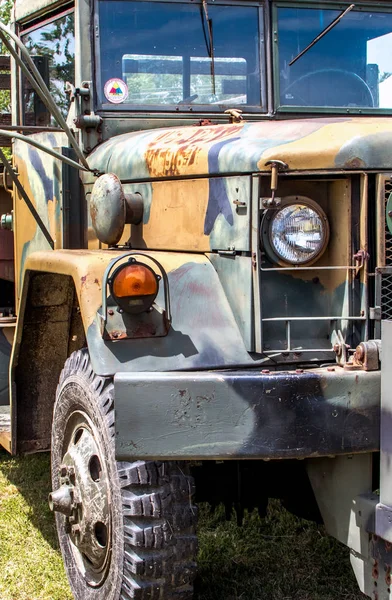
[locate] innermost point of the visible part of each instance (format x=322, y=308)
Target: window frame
x=34, y=25
x=330, y=110
x=165, y=109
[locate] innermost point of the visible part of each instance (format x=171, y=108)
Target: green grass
x=276, y=558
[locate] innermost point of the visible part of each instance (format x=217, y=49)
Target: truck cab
x=202, y=223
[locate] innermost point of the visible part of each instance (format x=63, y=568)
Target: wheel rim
x=83, y=498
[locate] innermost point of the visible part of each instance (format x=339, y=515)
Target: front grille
x=384, y=274
x=388, y=235
x=386, y=296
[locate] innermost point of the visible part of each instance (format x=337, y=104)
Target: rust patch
x=172, y=152
x=355, y=163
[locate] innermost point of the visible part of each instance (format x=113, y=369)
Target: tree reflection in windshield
x=159, y=50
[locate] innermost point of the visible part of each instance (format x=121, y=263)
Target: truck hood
x=304, y=144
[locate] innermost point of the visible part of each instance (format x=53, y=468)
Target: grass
x=276, y=558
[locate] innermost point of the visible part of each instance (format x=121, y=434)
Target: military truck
x=196, y=265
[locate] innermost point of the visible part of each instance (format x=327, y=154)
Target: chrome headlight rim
x=266, y=231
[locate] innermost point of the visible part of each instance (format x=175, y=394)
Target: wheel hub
x=83, y=499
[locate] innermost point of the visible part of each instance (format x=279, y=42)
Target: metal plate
x=246, y=414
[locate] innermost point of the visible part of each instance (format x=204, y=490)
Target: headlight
x=297, y=233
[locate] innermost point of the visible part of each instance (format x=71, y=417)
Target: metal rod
x=293, y=268
x=342, y=318
x=278, y=352
x=288, y=335
x=33, y=142
x=25, y=197
x=40, y=86
x=35, y=128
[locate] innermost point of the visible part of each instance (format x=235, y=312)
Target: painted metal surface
x=24, y=9
x=170, y=166
x=304, y=144
x=236, y=276
x=384, y=507
x=244, y=414
x=204, y=332
x=41, y=177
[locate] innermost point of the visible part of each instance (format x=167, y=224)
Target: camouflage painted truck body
x=206, y=243
x=241, y=356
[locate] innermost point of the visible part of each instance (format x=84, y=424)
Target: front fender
x=204, y=333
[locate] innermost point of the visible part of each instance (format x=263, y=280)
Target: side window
x=52, y=47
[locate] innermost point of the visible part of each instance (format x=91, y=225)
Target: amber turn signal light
x=134, y=287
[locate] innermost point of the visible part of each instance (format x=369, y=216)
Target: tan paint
x=328, y=140
x=87, y=268
x=178, y=212
x=25, y=225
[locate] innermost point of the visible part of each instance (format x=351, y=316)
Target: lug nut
x=63, y=471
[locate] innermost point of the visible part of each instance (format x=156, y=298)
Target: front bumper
x=246, y=414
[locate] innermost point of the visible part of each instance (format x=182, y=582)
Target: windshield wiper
x=210, y=43
x=323, y=33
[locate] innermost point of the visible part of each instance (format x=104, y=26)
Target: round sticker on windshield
x=116, y=91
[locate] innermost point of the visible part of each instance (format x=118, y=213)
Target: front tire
x=126, y=530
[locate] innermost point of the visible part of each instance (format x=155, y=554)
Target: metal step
x=5, y=428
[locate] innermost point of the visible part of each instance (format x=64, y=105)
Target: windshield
x=159, y=54
x=350, y=67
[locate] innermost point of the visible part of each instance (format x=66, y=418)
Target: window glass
x=351, y=66
x=55, y=42
x=170, y=54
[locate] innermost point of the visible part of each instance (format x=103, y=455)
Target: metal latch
x=276, y=165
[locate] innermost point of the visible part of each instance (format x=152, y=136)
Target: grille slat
x=388, y=235
x=386, y=296
x=386, y=278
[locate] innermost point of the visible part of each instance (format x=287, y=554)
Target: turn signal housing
x=134, y=287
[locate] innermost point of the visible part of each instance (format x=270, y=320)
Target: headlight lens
x=298, y=233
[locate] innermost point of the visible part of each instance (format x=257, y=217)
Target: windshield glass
x=158, y=54
x=350, y=67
